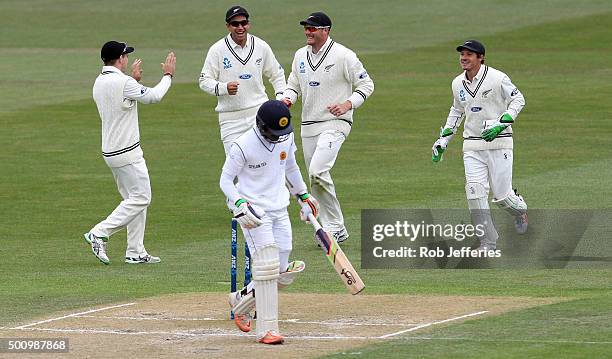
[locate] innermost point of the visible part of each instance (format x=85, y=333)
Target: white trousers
x=320, y=153
x=135, y=189
x=276, y=229
x=491, y=168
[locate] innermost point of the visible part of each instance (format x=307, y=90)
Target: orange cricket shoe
x=271, y=338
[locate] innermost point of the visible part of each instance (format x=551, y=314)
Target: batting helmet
x=274, y=121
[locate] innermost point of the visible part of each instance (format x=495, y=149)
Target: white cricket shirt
x=116, y=95
x=481, y=102
x=264, y=171
x=332, y=75
x=227, y=61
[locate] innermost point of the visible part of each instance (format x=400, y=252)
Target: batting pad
x=513, y=204
x=247, y=300
x=265, y=275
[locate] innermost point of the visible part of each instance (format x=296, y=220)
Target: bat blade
x=338, y=259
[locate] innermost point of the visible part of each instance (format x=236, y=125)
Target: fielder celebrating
x=332, y=82
x=117, y=96
x=263, y=161
x=233, y=72
x=490, y=103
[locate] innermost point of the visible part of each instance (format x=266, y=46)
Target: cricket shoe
x=148, y=259
x=271, y=338
x=98, y=246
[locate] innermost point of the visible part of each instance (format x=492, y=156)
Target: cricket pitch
x=197, y=325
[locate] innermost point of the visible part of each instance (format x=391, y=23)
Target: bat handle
x=314, y=222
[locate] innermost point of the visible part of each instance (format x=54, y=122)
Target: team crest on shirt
x=283, y=155
x=462, y=95
x=226, y=63
x=258, y=61
x=486, y=93
x=302, y=67
x=328, y=67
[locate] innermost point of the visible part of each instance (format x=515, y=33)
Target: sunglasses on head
x=238, y=23
x=314, y=28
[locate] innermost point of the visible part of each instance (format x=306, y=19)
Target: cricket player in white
x=332, y=83
x=117, y=96
x=233, y=71
x=490, y=104
x=263, y=160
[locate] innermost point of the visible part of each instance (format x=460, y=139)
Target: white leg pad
x=478, y=203
x=513, y=204
x=246, y=303
x=265, y=275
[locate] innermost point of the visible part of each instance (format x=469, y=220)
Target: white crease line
x=294, y=321
x=151, y=318
x=188, y=334
x=432, y=323
x=330, y=323
x=72, y=315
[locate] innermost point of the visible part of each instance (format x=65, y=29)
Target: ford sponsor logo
x=314, y=83
x=476, y=109
x=245, y=76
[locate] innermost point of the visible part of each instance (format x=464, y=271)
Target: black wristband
x=169, y=74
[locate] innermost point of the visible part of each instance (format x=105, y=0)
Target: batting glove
x=247, y=215
x=439, y=146
x=309, y=205
x=491, y=132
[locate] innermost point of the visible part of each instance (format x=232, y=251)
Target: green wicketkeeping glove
x=490, y=133
x=439, y=146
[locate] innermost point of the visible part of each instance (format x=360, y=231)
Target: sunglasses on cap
x=238, y=23
x=315, y=28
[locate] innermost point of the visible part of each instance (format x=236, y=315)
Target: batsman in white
x=263, y=160
x=233, y=71
x=490, y=103
x=332, y=83
x=117, y=96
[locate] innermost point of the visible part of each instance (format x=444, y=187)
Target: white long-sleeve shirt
x=227, y=61
x=481, y=102
x=266, y=172
x=116, y=95
x=333, y=75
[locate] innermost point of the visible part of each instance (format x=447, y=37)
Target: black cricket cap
x=235, y=11
x=472, y=45
x=275, y=115
x=317, y=19
x=113, y=50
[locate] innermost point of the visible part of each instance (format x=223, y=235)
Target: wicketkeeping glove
x=439, y=146
x=491, y=132
x=309, y=205
x=246, y=215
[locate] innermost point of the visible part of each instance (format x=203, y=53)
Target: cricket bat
x=337, y=258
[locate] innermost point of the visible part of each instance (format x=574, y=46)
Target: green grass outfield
x=54, y=184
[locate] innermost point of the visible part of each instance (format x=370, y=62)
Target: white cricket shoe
x=148, y=259
x=98, y=246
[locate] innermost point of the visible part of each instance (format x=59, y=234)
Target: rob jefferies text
x=447, y=238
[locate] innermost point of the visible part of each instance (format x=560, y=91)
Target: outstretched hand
x=169, y=65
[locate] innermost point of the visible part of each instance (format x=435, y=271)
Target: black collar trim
x=313, y=67
x=484, y=75
x=244, y=62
